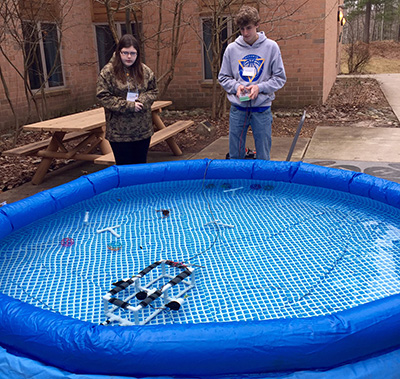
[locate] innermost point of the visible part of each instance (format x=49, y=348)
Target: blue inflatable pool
x=362, y=340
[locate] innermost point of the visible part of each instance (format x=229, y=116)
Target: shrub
x=358, y=56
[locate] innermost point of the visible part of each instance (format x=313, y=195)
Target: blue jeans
x=261, y=125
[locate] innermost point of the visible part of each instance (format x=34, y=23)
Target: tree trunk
x=17, y=128
x=110, y=20
x=128, y=23
x=367, y=22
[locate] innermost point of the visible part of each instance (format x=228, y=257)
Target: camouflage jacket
x=123, y=124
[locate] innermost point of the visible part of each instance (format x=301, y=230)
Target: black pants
x=130, y=152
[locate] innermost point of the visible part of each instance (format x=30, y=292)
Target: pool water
x=262, y=250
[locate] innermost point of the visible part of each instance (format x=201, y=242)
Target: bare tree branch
x=19, y=22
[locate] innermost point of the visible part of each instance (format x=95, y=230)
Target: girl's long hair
x=136, y=70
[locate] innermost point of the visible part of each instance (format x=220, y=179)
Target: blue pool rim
x=211, y=349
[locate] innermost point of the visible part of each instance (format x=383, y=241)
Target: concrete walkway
x=390, y=84
x=374, y=151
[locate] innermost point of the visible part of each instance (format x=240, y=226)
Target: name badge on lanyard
x=249, y=71
x=132, y=96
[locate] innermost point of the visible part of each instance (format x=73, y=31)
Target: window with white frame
x=42, y=54
x=224, y=34
x=105, y=41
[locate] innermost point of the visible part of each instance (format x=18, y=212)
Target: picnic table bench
x=89, y=129
x=34, y=147
x=164, y=134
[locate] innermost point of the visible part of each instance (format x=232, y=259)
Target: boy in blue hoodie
x=252, y=70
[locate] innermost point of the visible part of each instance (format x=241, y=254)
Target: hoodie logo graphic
x=253, y=61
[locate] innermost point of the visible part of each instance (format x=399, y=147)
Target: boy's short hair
x=246, y=16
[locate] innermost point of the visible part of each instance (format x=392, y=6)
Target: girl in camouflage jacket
x=127, y=88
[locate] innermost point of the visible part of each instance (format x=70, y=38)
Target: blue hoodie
x=264, y=56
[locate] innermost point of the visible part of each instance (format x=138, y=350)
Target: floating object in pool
x=114, y=246
x=3, y=203
x=233, y=189
x=226, y=185
x=255, y=186
x=210, y=185
x=146, y=293
x=268, y=188
x=86, y=218
x=219, y=223
x=111, y=230
x=165, y=212
x=67, y=242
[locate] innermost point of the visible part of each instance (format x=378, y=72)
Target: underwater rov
x=144, y=294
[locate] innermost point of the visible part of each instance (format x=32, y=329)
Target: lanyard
x=127, y=80
x=131, y=96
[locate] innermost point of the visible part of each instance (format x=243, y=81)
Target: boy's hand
x=253, y=91
x=240, y=90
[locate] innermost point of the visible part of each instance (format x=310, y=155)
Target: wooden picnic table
x=89, y=125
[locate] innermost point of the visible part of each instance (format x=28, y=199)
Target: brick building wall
x=80, y=58
x=14, y=84
x=308, y=42
x=186, y=89
x=332, y=46
x=80, y=68
x=309, y=46
x=302, y=47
